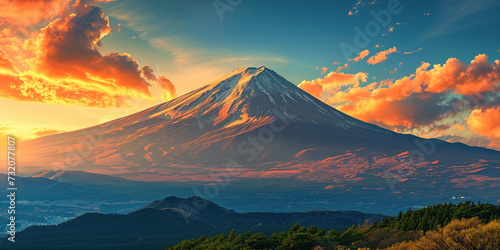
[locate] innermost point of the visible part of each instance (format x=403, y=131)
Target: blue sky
x=295, y=37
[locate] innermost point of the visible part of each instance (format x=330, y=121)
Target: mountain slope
x=253, y=123
x=45, y=189
x=194, y=126
x=80, y=178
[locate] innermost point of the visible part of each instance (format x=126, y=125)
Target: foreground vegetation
x=444, y=226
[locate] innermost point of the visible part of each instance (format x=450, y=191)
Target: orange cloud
x=421, y=99
x=346, y=66
x=485, y=122
x=12, y=48
x=6, y=65
x=352, y=13
x=323, y=70
x=62, y=64
x=313, y=88
x=333, y=80
x=411, y=52
x=26, y=87
x=67, y=47
x=148, y=73
x=26, y=12
x=167, y=87
x=431, y=102
x=29, y=12
x=478, y=77
x=381, y=56
x=361, y=55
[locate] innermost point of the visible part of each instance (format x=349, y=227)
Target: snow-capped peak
x=250, y=94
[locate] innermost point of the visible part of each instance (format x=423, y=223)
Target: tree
x=232, y=235
x=349, y=236
x=459, y=234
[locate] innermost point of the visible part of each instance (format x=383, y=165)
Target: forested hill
x=443, y=226
x=429, y=218
x=171, y=220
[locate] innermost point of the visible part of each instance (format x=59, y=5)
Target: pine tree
x=232, y=235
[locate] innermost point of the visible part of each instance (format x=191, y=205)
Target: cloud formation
x=63, y=64
x=334, y=81
x=411, y=52
x=346, y=66
x=361, y=55
x=167, y=87
x=27, y=12
x=485, y=122
x=6, y=65
x=431, y=98
x=352, y=12
x=21, y=13
x=68, y=47
x=381, y=56
x=359, y=4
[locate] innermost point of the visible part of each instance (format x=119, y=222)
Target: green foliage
x=349, y=236
x=429, y=218
x=296, y=238
x=408, y=227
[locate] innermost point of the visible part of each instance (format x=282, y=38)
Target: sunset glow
x=106, y=60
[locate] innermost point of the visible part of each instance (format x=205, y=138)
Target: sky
x=429, y=68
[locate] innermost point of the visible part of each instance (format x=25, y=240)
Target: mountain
x=81, y=178
x=209, y=210
x=45, y=189
x=171, y=220
x=207, y=126
x=252, y=125
x=60, y=185
x=51, y=197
